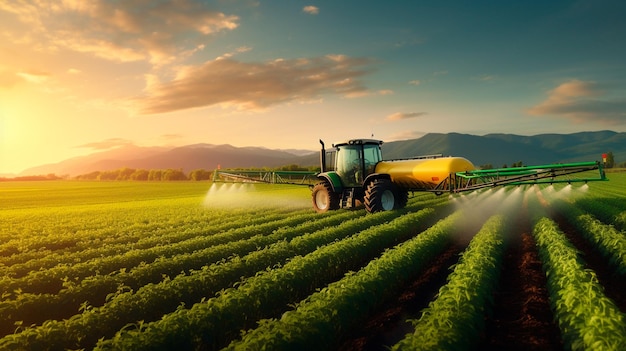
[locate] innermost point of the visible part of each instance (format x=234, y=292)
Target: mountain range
x=494, y=149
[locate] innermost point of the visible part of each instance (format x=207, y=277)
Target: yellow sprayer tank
x=423, y=173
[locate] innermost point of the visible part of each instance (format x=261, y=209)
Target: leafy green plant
x=455, y=319
x=323, y=316
x=587, y=318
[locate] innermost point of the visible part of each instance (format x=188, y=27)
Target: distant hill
x=494, y=149
x=187, y=158
x=500, y=149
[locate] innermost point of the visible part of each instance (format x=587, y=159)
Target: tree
x=155, y=174
x=610, y=160
x=173, y=174
x=200, y=174
x=140, y=174
x=124, y=173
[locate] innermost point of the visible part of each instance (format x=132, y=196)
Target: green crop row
x=455, y=319
x=322, y=317
x=68, y=216
x=101, y=239
x=609, y=212
x=588, y=320
x=52, y=280
x=608, y=241
x=217, y=321
x=25, y=307
x=612, y=190
x=154, y=300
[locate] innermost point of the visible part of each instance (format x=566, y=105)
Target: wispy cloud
x=254, y=86
x=121, y=30
x=406, y=135
x=106, y=144
x=312, y=10
x=34, y=76
x=398, y=116
x=582, y=101
x=415, y=82
x=12, y=77
x=237, y=51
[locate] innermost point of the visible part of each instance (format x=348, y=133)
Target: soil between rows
x=389, y=325
x=614, y=284
x=521, y=318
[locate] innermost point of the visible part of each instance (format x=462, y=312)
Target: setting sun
x=250, y=73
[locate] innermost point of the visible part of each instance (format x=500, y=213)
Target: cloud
x=255, y=86
x=582, y=101
x=10, y=77
x=239, y=50
x=415, y=82
x=398, y=116
x=34, y=76
x=311, y=10
x=121, y=30
x=106, y=144
x=406, y=135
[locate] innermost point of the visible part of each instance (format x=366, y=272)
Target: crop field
x=203, y=266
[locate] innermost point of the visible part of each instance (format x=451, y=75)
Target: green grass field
x=188, y=265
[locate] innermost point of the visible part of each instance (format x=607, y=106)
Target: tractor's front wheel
x=380, y=196
x=324, y=198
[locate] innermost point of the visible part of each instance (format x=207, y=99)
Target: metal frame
x=271, y=177
x=543, y=174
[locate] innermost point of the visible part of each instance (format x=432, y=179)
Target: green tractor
x=350, y=180
x=353, y=174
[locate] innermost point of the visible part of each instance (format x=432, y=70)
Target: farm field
x=202, y=266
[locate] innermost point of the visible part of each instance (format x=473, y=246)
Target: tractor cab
x=353, y=160
x=343, y=178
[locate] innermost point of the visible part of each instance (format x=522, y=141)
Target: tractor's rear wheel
x=380, y=196
x=324, y=198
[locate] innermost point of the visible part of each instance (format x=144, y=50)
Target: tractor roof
x=359, y=142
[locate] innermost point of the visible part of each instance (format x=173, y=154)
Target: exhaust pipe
x=322, y=158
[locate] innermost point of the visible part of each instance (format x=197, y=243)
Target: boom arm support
x=544, y=174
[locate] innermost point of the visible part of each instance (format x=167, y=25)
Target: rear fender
x=333, y=178
x=373, y=176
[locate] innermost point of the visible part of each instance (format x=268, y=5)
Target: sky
x=78, y=77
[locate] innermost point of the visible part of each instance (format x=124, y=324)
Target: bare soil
x=521, y=318
x=390, y=324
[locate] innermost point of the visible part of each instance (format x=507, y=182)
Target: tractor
x=354, y=174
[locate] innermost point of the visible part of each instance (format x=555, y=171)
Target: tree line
x=170, y=174
x=126, y=173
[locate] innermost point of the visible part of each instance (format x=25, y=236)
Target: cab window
x=372, y=156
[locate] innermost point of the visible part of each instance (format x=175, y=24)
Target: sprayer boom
x=544, y=174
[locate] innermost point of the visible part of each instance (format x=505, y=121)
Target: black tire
x=402, y=197
x=324, y=198
x=380, y=196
